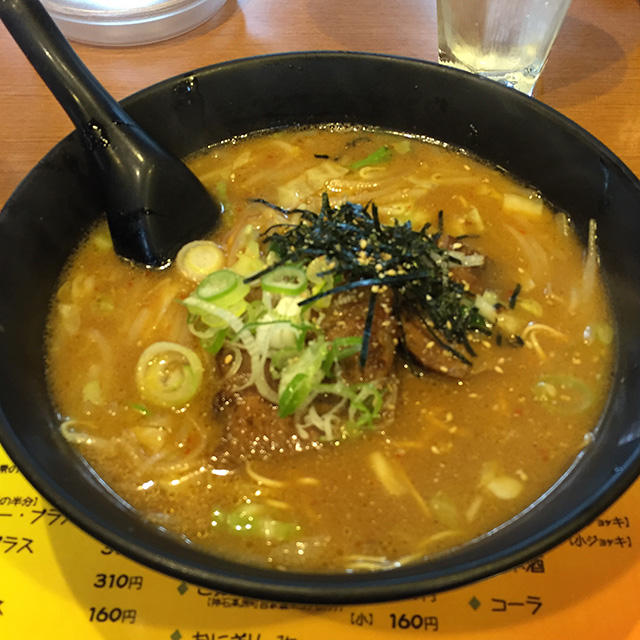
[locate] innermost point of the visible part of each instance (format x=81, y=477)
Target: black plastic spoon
x=154, y=203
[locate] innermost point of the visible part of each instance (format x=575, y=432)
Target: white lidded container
x=128, y=22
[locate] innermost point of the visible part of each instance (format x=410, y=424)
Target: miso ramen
x=385, y=350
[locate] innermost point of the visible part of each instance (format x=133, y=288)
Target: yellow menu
x=58, y=583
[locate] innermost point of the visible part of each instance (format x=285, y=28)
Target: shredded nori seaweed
x=514, y=296
x=362, y=252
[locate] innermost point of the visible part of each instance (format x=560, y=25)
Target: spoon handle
x=73, y=85
x=154, y=203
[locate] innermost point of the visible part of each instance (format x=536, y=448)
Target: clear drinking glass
x=504, y=40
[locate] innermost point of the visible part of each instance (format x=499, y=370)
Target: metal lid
x=128, y=22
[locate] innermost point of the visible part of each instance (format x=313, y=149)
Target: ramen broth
x=445, y=458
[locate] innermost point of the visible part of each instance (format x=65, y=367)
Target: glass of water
x=504, y=40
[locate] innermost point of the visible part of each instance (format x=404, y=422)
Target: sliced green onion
x=294, y=394
x=342, y=348
x=214, y=315
x=345, y=347
x=201, y=329
x=279, y=530
x=198, y=259
x=288, y=308
x=563, y=394
x=255, y=309
x=280, y=358
x=300, y=375
x=321, y=280
x=380, y=155
x=213, y=345
x=168, y=374
x=285, y=280
x=246, y=265
x=248, y=257
x=218, y=284
x=140, y=408
x=284, y=334
x=317, y=269
x=366, y=406
x=253, y=519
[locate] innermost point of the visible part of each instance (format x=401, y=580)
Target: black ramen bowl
x=56, y=203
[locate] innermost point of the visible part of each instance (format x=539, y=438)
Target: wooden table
x=593, y=73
